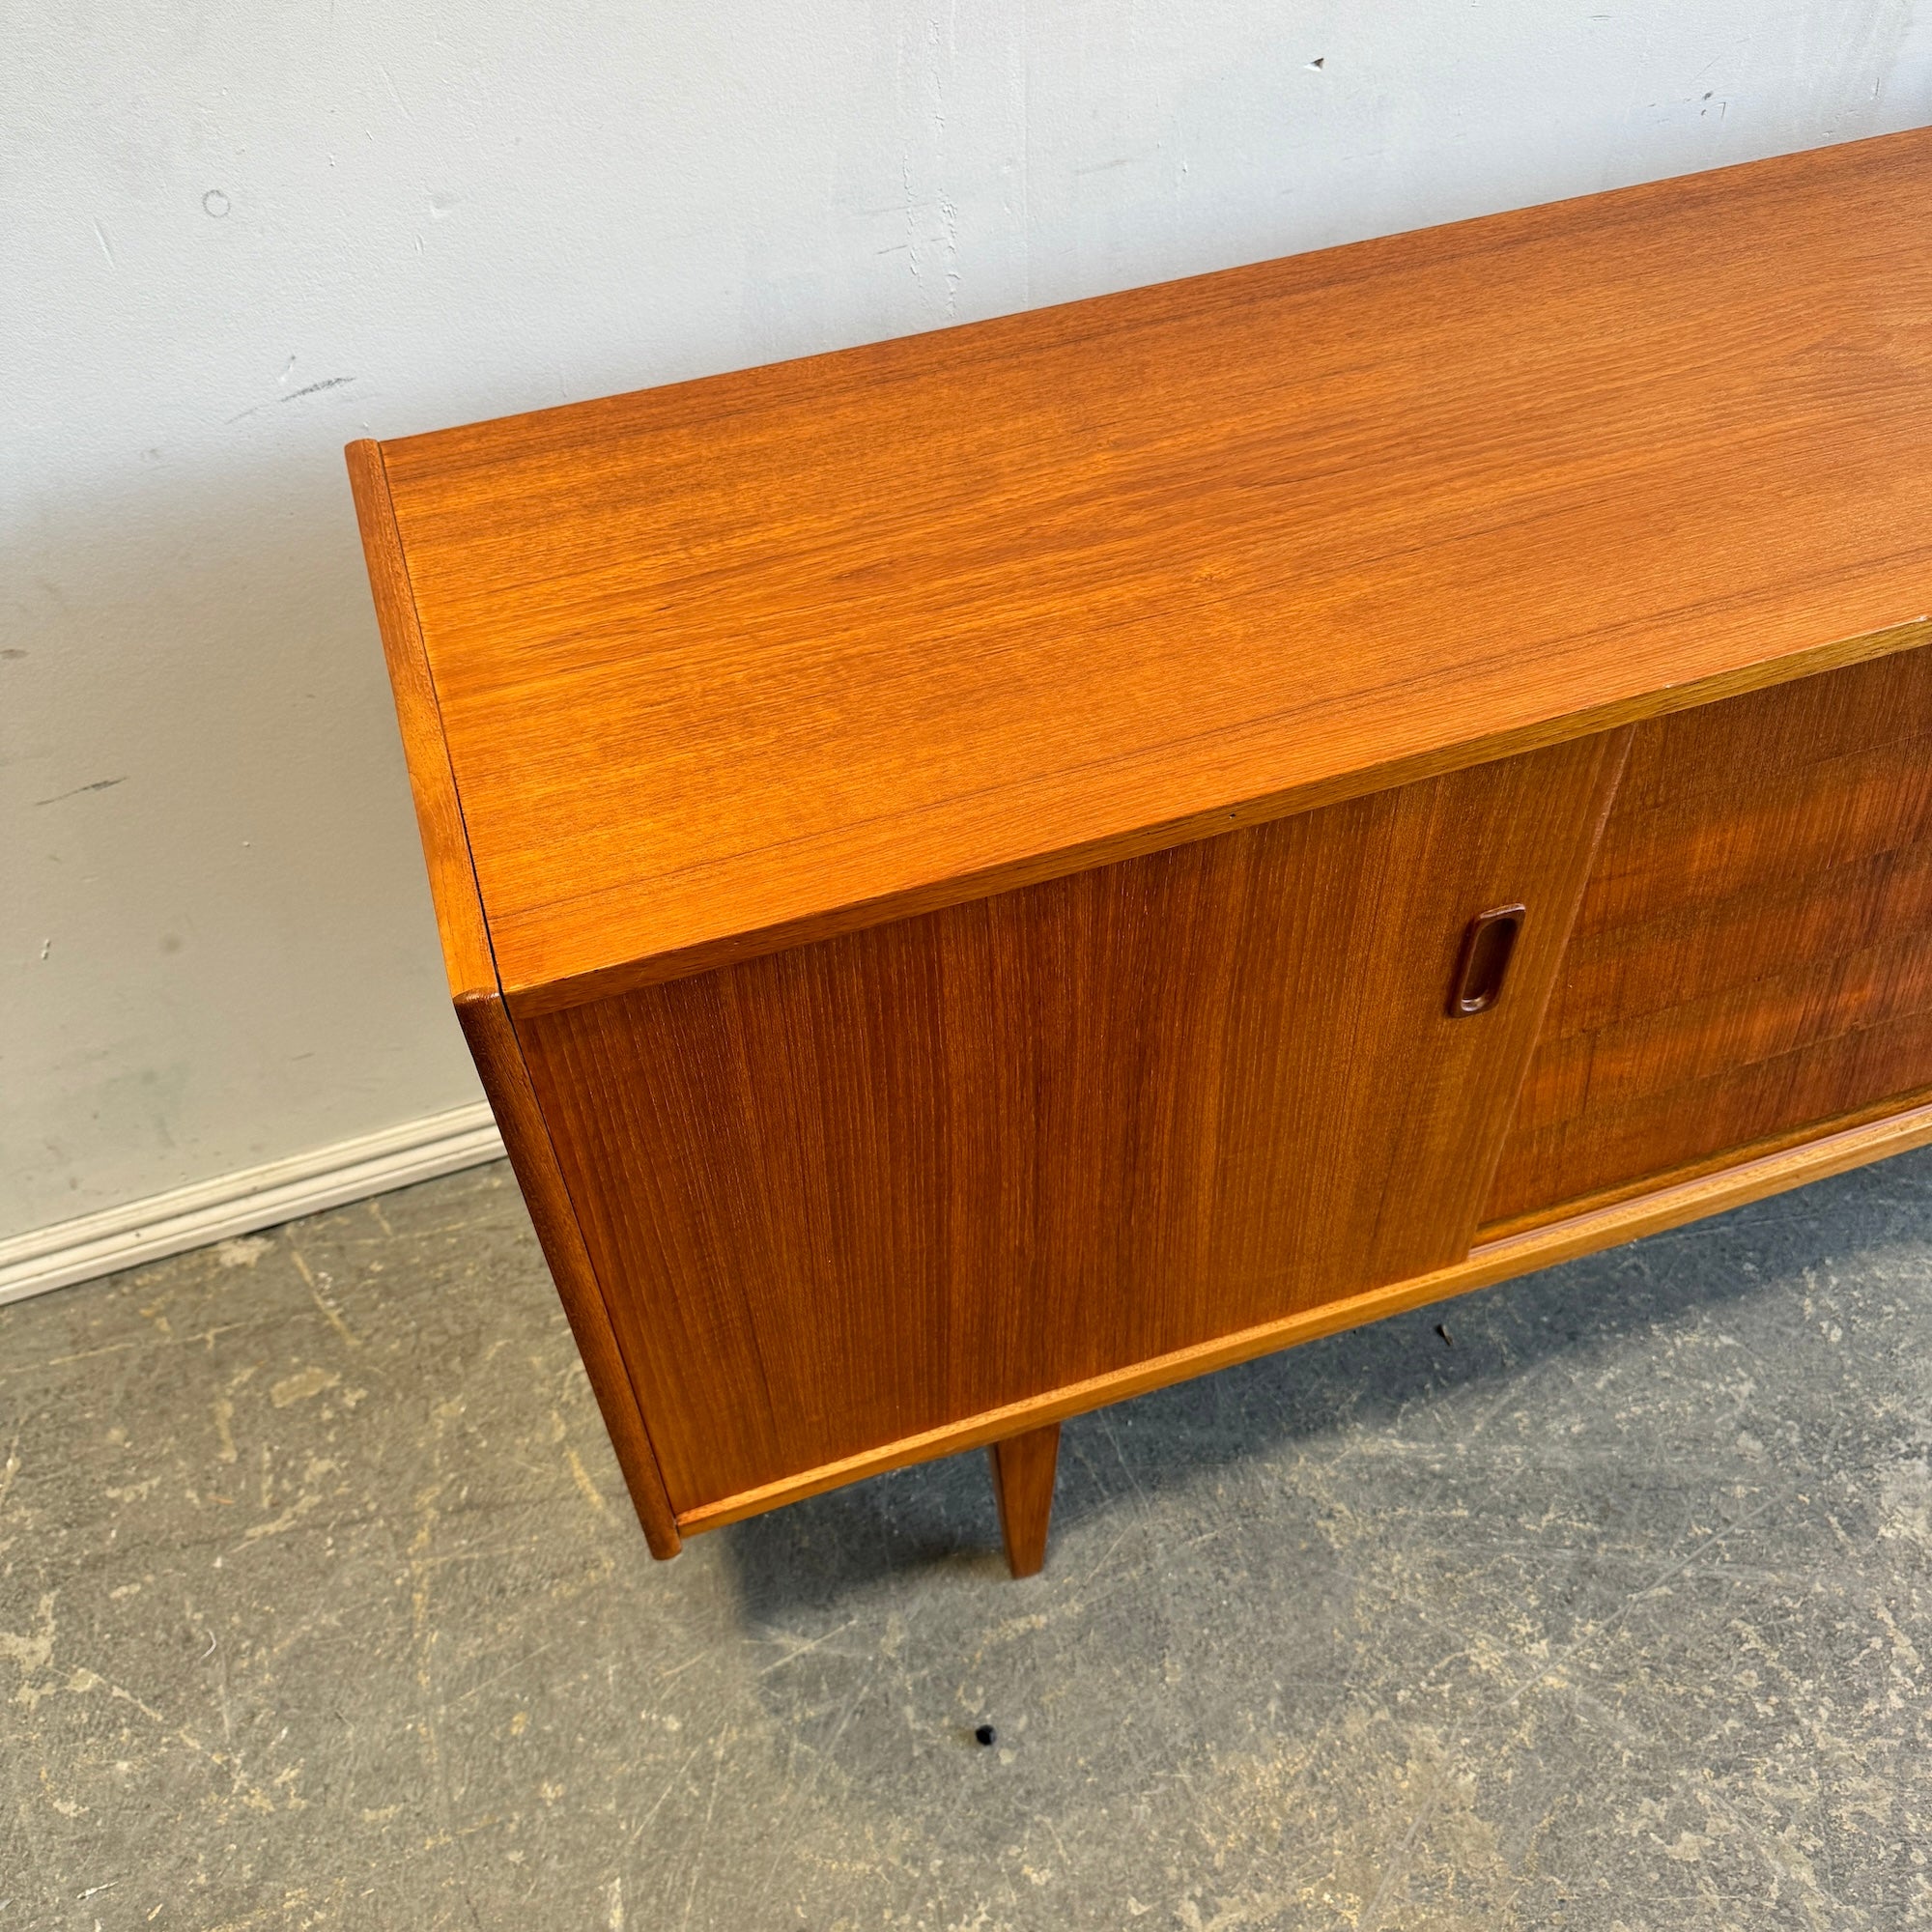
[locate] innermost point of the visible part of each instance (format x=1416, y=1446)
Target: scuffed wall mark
x=948, y=216
x=106, y=247
x=395, y=92
x=1026, y=155
x=316, y=388
x=936, y=56
x=98, y=784
x=911, y=216
x=931, y=219
x=293, y=396
x=1847, y=56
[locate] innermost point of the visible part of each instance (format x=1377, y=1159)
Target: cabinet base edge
x=1484, y=1266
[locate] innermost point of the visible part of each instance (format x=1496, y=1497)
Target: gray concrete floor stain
x=321, y=1605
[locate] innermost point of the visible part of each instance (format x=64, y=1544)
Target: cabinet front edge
x=1486, y=1266
x=553, y=994
x=468, y=956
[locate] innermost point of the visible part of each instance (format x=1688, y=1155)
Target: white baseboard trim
x=239, y=1203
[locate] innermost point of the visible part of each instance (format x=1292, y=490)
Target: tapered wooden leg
x=1023, y=1471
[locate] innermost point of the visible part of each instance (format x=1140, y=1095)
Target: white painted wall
x=238, y=235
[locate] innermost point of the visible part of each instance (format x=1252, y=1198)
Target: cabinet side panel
x=1752, y=962
x=492, y=1044
x=841, y=1194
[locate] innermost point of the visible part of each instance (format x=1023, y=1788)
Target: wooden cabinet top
x=724, y=666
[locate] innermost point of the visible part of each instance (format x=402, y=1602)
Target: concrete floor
x=321, y=1605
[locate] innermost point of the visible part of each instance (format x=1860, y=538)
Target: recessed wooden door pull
x=1487, y=949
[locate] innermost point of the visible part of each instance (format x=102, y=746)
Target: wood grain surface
x=1754, y=956
x=1489, y=1262
x=1024, y=1467
x=853, y=1191
x=485, y=1023
x=499, y=1061
x=740, y=663
x=953, y=858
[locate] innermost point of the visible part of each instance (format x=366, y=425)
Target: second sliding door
x=844, y=1194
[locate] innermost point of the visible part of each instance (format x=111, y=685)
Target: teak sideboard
x=989, y=873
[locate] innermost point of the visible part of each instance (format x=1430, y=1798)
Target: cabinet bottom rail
x=1484, y=1266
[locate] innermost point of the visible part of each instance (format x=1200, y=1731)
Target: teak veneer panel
x=951, y=857
x=867, y=1187
x=1753, y=956
x=1489, y=1262
x=744, y=662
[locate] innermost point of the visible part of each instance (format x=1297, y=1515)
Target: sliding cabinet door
x=844, y=1194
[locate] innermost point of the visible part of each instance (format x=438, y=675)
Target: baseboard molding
x=239, y=1203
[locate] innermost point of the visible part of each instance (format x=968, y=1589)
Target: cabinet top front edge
x=739, y=663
